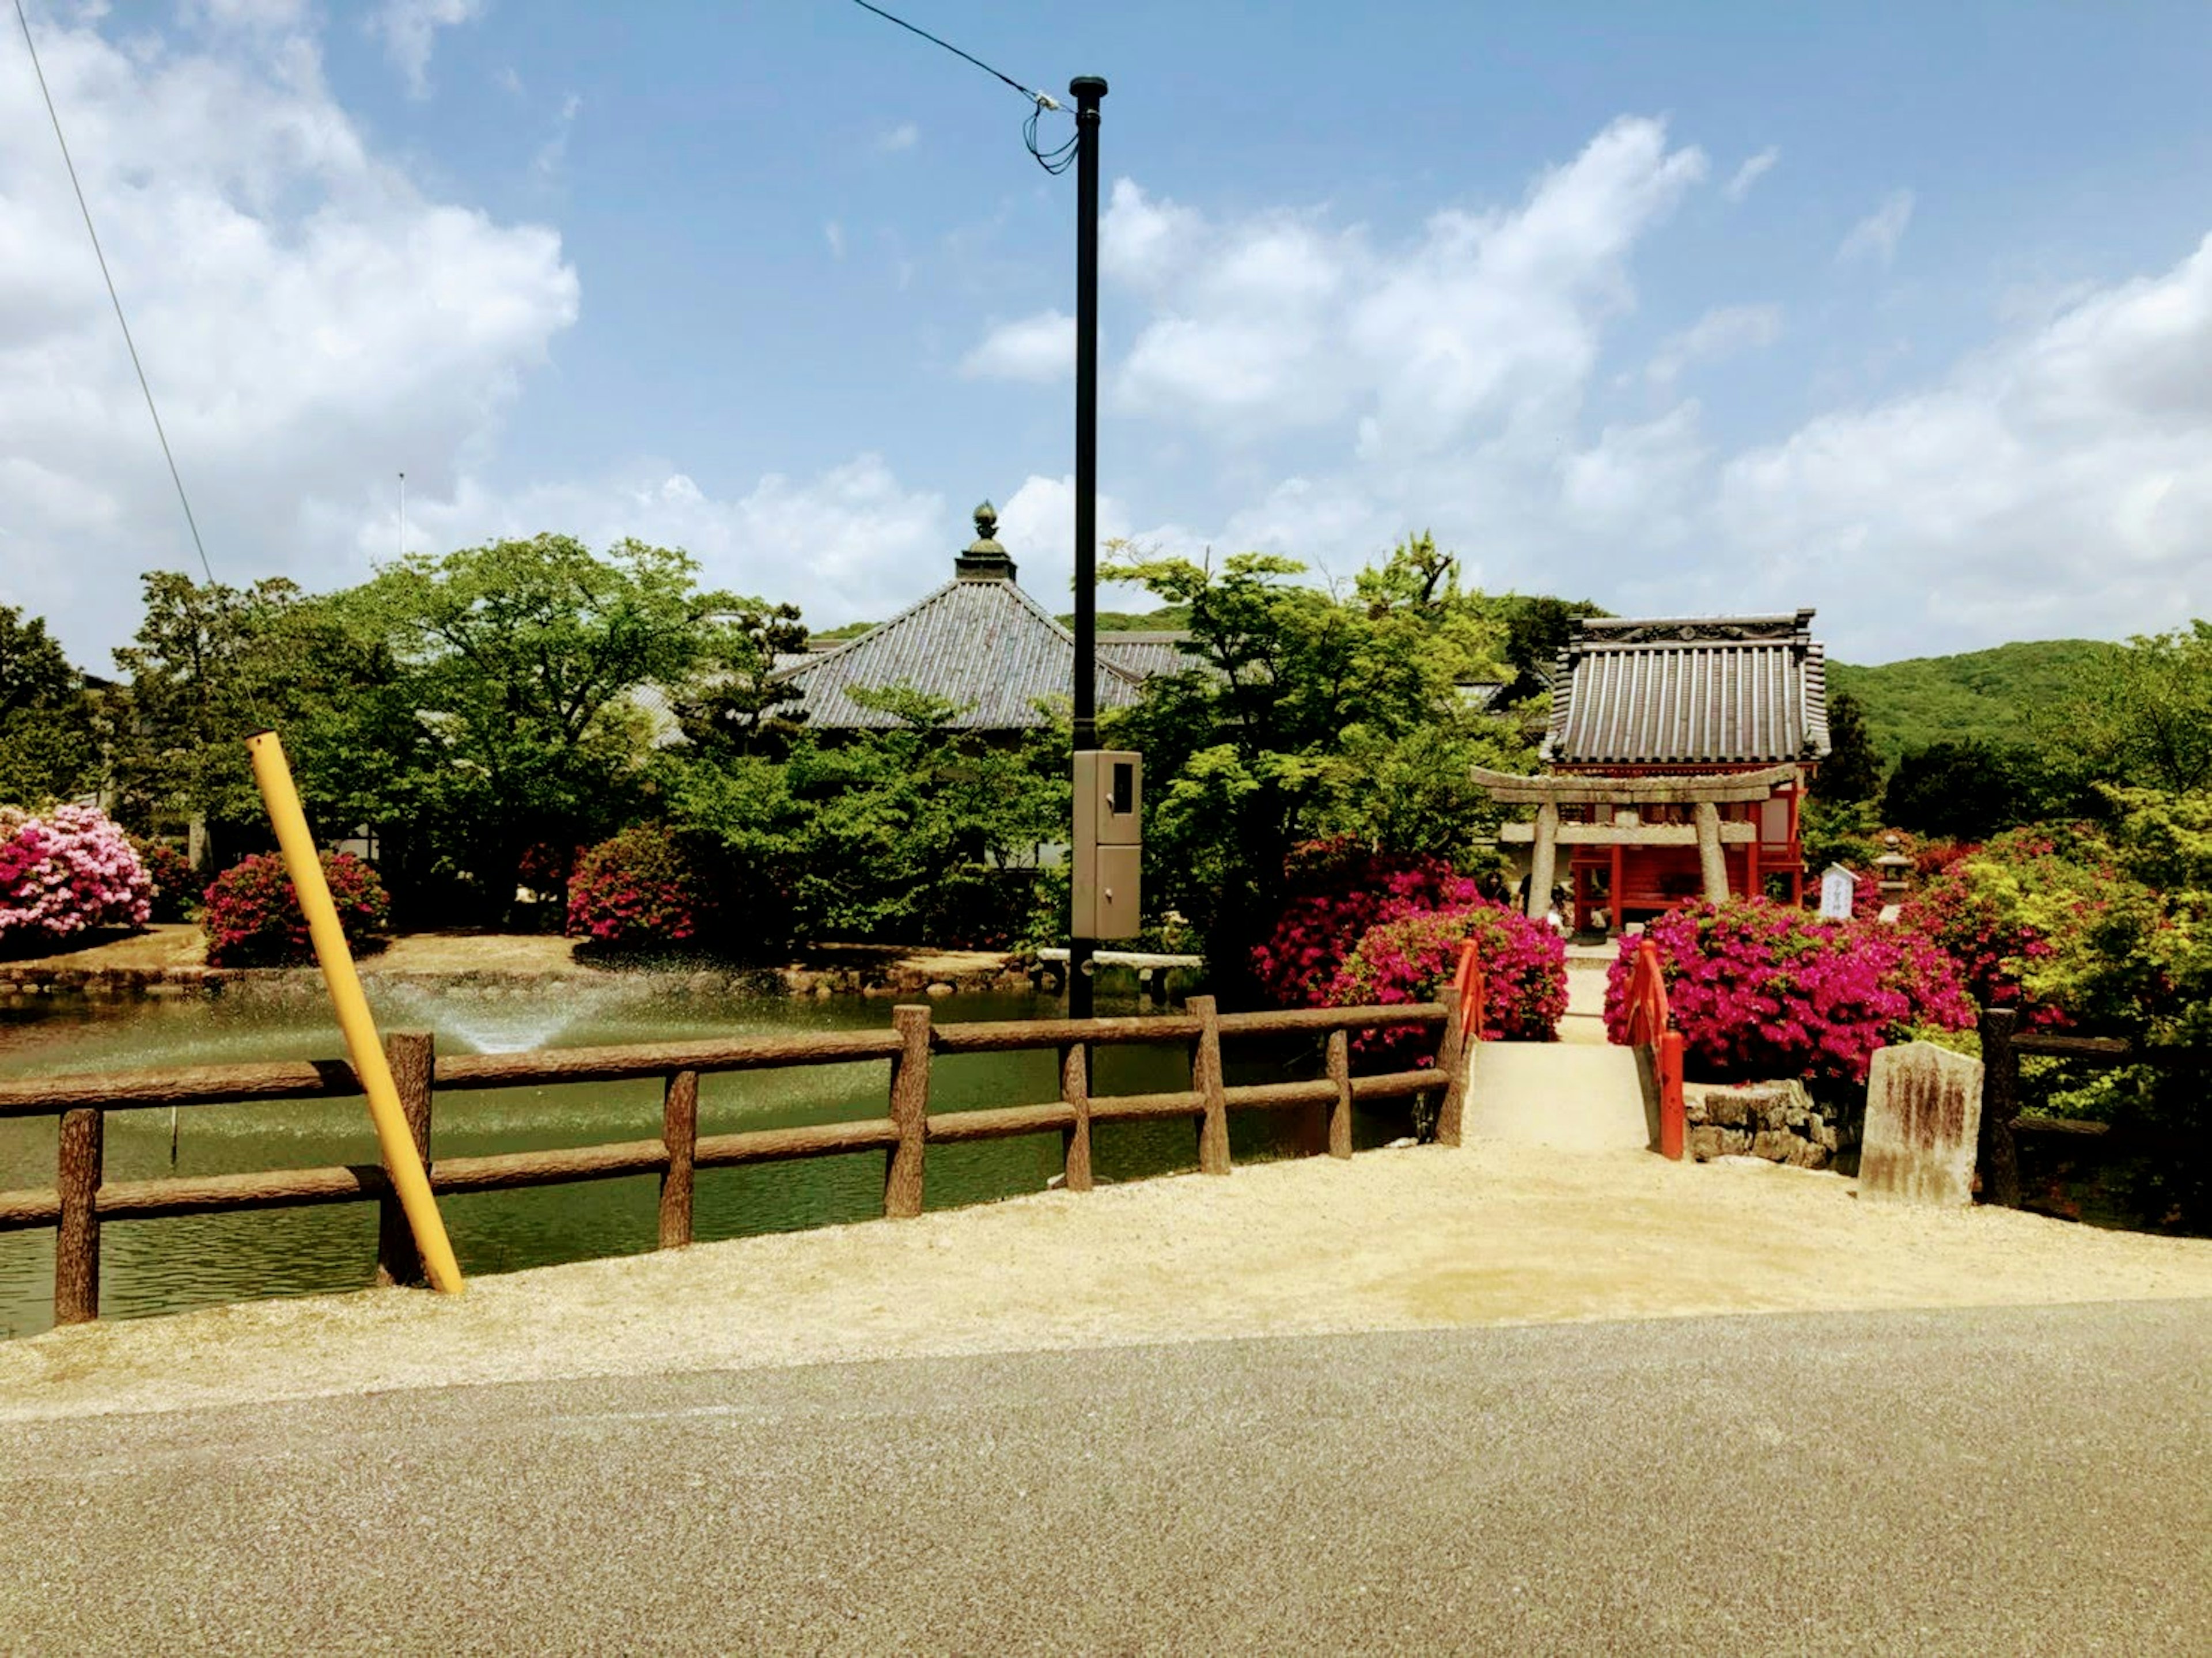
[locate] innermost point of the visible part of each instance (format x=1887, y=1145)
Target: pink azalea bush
x=1759, y=989
x=66, y=871
x=1338, y=890
x=252, y=915
x=635, y=892
x=1413, y=958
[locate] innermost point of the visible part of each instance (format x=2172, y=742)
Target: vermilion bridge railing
x=1650, y=1025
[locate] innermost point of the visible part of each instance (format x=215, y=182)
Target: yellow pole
x=306, y=867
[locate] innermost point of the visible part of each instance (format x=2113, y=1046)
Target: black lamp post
x=1087, y=91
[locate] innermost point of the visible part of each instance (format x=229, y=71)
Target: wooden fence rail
x=81, y=1199
x=2002, y=1043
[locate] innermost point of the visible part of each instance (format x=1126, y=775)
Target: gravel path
x=1419, y=1238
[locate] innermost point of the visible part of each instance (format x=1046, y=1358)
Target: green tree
x=49, y=749
x=1966, y=791
x=2145, y=720
x=1537, y=629
x=1302, y=714
x=736, y=703
x=914, y=834
x=519, y=660
x=1852, y=771
x=209, y=666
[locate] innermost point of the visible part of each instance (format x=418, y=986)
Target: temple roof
x=1690, y=691
x=979, y=641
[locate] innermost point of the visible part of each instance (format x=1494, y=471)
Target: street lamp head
x=1087, y=89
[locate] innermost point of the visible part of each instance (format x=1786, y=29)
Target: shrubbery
x=1339, y=890
x=2045, y=920
x=176, y=896
x=636, y=891
x=1414, y=958
x=1759, y=989
x=64, y=872
x=252, y=918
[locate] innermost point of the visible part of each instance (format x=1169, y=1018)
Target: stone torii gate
x=1703, y=796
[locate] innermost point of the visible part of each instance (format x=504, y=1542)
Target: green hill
x=1991, y=694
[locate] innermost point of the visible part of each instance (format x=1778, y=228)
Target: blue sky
x=1901, y=313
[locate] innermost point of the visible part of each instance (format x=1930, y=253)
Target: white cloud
x=2060, y=481
x=1721, y=332
x=554, y=152
x=905, y=136
x=834, y=235
x=408, y=29
x=1751, y=172
x=850, y=543
x=311, y=323
x=1876, y=236
x=1041, y=348
x=1480, y=322
x=1346, y=389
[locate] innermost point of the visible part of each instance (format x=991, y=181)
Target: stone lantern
x=1893, y=872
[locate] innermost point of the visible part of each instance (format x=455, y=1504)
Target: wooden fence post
x=76, y=1241
x=1451, y=1060
x=1340, y=1072
x=1997, y=1156
x=412, y=1055
x=910, y=1113
x=679, y=1132
x=1206, y=1078
x=1075, y=1142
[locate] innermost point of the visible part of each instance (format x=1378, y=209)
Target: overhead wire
x=114, y=298
x=1056, y=160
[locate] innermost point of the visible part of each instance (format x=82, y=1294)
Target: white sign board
x=1837, y=884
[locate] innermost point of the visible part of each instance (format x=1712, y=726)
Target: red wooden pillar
x=1612, y=899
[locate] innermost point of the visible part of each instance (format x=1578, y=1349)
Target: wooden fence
x=1998, y=1157
x=81, y=1200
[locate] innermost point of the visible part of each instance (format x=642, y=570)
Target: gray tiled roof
x=1145, y=654
x=980, y=642
x=1690, y=690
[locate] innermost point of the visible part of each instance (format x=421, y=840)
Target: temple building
x=978, y=643
x=1675, y=764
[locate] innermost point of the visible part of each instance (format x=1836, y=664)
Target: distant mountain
x=1991, y=694
x=1168, y=619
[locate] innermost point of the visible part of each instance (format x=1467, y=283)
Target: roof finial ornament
x=984, y=560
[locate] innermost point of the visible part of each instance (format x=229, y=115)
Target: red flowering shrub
x=1761, y=990
x=1933, y=857
x=64, y=872
x=1339, y=890
x=635, y=892
x=2043, y=919
x=1412, y=959
x=176, y=895
x=252, y=915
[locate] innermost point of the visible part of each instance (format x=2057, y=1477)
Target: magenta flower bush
x=1413, y=958
x=65, y=872
x=1338, y=890
x=1761, y=990
x=636, y=891
x=252, y=918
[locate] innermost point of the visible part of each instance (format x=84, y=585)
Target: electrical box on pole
x=1107, y=888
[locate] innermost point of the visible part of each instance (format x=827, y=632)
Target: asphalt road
x=2005, y=1481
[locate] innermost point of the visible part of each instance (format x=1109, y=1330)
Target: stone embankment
x=42, y=983
x=1775, y=1121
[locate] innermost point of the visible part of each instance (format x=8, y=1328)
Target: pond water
x=163, y=1265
